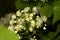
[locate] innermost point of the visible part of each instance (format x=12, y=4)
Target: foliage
x=46, y=8
x=6, y=34
x=50, y=7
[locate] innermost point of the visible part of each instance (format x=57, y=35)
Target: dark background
x=6, y=6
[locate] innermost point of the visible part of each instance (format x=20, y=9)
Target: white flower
x=34, y=13
x=18, y=20
x=44, y=18
x=38, y=22
x=22, y=11
x=16, y=31
x=26, y=14
x=34, y=9
x=11, y=22
x=26, y=9
x=15, y=21
x=44, y=28
x=32, y=23
x=31, y=14
x=31, y=38
x=27, y=19
x=34, y=37
x=21, y=20
x=20, y=37
x=11, y=28
x=45, y=24
x=30, y=29
x=20, y=23
x=24, y=28
x=21, y=26
x=18, y=13
x=18, y=27
x=30, y=18
x=13, y=16
x=37, y=17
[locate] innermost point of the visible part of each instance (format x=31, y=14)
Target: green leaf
x=6, y=34
x=58, y=28
x=52, y=35
x=20, y=5
x=58, y=38
x=47, y=10
x=45, y=38
x=56, y=10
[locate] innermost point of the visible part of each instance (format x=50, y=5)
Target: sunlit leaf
x=6, y=34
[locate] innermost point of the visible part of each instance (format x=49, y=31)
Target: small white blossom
x=21, y=26
x=19, y=37
x=26, y=9
x=34, y=13
x=45, y=25
x=44, y=28
x=22, y=11
x=30, y=29
x=11, y=28
x=18, y=27
x=16, y=31
x=20, y=23
x=13, y=16
x=31, y=38
x=32, y=23
x=24, y=28
x=37, y=17
x=15, y=21
x=34, y=9
x=44, y=18
x=26, y=15
x=34, y=37
x=27, y=19
x=31, y=14
x=18, y=20
x=38, y=22
x=11, y=22
x=30, y=18
x=18, y=13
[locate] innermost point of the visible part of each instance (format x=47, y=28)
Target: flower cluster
x=26, y=23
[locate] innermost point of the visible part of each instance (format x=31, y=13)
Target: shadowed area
x=6, y=6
